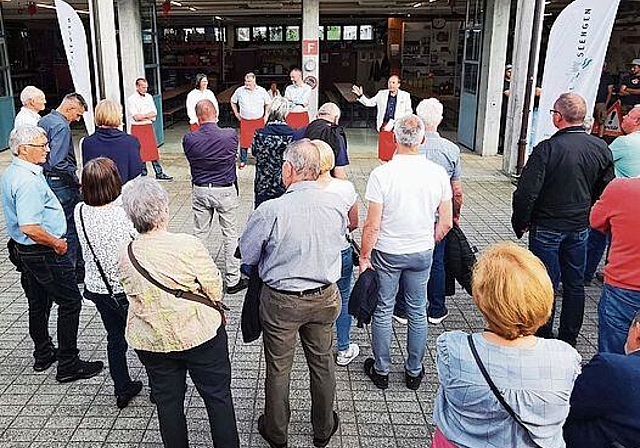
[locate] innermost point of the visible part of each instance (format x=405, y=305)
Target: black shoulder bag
x=116, y=297
x=495, y=390
x=179, y=293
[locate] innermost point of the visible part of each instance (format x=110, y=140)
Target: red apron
x=147, y=139
x=193, y=127
x=298, y=120
x=386, y=145
x=440, y=441
x=247, y=130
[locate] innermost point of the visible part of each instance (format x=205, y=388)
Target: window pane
x=333, y=32
x=151, y=74
x=366, y=32
x=293, y=33
x=350, y=32
x=243, y=34
x=260, y=33
x=321, y=32
x=275, y=33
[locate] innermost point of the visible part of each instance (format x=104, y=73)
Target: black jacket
x=459, y=260
x=564, y=176
x=364, y=297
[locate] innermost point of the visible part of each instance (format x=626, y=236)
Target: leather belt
x=306, y=292
x=210, y=185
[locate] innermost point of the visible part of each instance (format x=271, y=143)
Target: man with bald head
x=296, y=242
x=326, y=128
x=564, y=176
x=211, y=152
x=626, y=149
x=392, y=104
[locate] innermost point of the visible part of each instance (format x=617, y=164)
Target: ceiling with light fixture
x=234, y=10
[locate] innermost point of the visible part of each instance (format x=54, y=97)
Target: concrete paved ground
x=35, y=411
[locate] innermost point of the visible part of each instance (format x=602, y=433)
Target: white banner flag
x=577, y=47
x=75, y=46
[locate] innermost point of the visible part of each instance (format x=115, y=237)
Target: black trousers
x=47, y=278
x=210, y=369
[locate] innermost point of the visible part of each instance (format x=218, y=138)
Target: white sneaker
x=346, y=356
x=401, y=320
x=437, y=320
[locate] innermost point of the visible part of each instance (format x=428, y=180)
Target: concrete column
x=105, y=49
x=311, y=49
x=494, y=54
x=520, y=60
x=131, y=54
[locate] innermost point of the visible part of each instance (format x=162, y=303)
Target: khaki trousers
x=283, y=318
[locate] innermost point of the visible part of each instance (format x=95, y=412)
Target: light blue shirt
x=28, y=199
x=443, y=152
x=626, y=155
x=297, y=239
x=536, y=382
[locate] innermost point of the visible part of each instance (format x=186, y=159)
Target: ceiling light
x=417, y=5
x=176, y=3
x=191, y=8
x=217, y=17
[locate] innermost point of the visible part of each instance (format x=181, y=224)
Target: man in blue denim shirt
x=61, y=166
x=36, y=225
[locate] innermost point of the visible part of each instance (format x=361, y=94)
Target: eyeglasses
x=44, y=145
x=555, y=112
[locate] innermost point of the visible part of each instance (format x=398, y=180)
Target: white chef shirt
x=139, y=104
x=192, y=99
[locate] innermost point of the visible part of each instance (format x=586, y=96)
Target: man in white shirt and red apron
x=143, y=112
x=250, y=105
x=392, y=104
x=298, y=93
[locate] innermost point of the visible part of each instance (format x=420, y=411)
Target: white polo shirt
x=139, y=104
x=26, y=117
x=251, y=102
x=410, y=189
x=298, y=96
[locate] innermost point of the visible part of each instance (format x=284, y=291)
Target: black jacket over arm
x=564, y=176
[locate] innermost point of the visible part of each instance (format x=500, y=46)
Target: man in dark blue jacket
x=604, y=403
x=563, y=177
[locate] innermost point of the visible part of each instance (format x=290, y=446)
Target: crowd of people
x=513, y=384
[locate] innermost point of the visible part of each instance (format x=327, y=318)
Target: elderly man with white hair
x=37, y=230
x=327, y=129
x=398, y=239
x=446, y=154
x=33, y=101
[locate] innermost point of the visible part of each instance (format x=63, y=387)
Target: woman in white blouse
x=200, y=92
x=104, y=230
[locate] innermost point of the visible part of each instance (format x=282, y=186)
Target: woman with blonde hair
x=110, y=142
x=347, y=351
x=505, y=387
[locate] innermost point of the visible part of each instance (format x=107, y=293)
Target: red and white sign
x=612, y=124
x=309, y=47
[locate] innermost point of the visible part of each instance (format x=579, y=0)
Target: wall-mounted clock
x=438, y=23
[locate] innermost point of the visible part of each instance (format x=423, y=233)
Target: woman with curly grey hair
x=173, y=335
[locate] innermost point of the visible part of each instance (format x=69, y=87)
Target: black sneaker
x=122, y=401
x=321, y=443
x=381, y=381
x=85, y=370
x=413, y=382
x=164, y=176
x=43, y=364
x=263, y=433
x=243, y=283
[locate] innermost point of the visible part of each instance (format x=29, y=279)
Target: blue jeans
x=157, y=168
x=244, y=155
x=435, y=287
x=47, y=278
x=615, y=312
x=114, y=318
x=67, y=191
x=564, y=254
x=343, y=323
x=412, y=272
x=596, y=246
